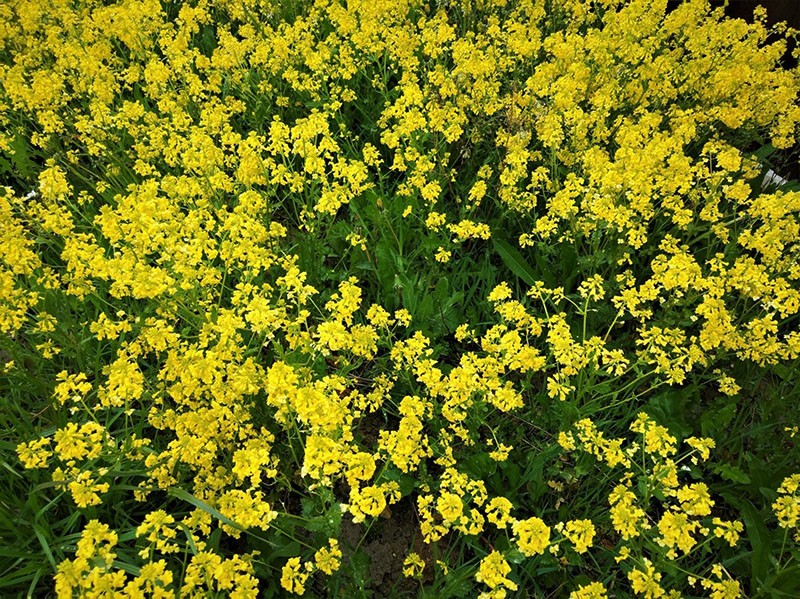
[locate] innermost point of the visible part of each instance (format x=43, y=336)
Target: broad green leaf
x=516, y=263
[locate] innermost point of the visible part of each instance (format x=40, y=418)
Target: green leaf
x=386, y=273
x=287, y=549
x=731, y=473
x=406, y=482
x=126, y=567
x=785, y=583
x=757, y=534
x=21, y=159
x=716, y=419
x=45, y=545
x=183, y=495
x=360, y=562
x=479, y=465
x=534, y=471
x=516, y=263
x=513, y=473
x=671, y=407
x=568, y=258
x=5, y=166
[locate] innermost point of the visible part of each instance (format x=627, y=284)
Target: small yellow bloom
x=413, y=565
x=729, y=531
x=442, y=255
x=293, y=579
x=498, y=511
x=594, y=590
x=492, y=572
x=645, y=582
x=450, y=506
x=533, y=536
x=328, y=559
x=580, y=533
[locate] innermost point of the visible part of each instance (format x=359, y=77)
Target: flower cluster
x=272, y=273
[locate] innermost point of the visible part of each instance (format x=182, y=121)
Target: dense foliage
x=441, y=299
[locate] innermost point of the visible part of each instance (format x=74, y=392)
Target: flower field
x=387, y=298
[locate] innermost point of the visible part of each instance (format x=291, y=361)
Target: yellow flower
x=442, y=255
x=728, y=385
x=493, y=570
x=357, y=240
x=413, y=565
x=533, y=536
x=498, y=511
x=626, y=516
x=645, y=582
x=676, y=531
x=328, y=559
x=727, y=530
x=53, y=183
x=34, y=454
x=85, y=489
x=500, y=292
x=695, y=499
x=580, y=533
x=501, y=453
x=592, y=288
x=378, y=316
x=158, y=530
x=594, y=590
x=624, y=553
x=787, y=510
x=566, y=441
x=293, y=579
x=463, y=332
x=702, y=445
x=434, y=220
x=656, y=438
x=247, y=509
x=71, y=386
x=467, y=229
x=557, y=389
x=368, y=501
x=450, y=506
x=724, y=587
x=403, y=316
